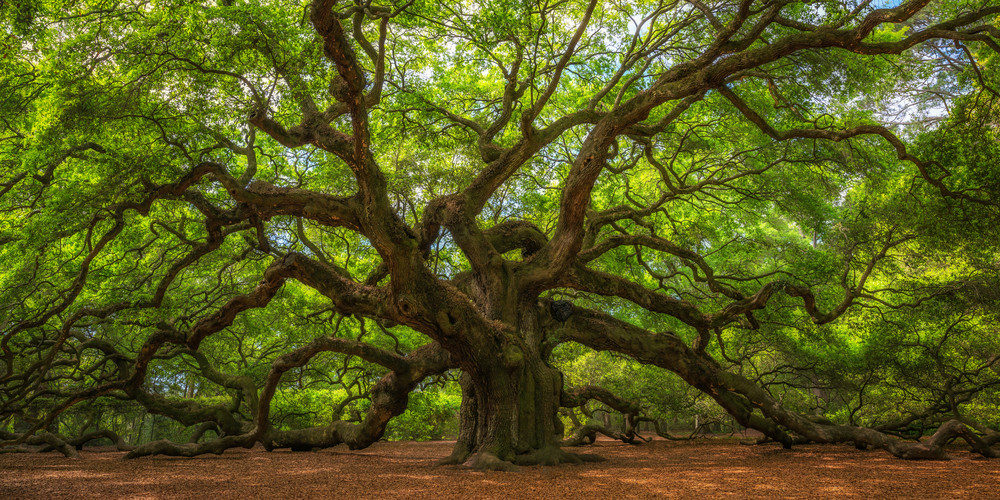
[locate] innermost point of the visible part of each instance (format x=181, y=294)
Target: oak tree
x=431, y=188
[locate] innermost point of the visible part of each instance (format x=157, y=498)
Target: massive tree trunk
x=510, y=401
x=511, y=414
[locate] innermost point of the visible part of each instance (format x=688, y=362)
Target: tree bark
x=510, y=402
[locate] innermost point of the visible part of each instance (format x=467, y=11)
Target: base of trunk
x=509, y=417
x=544, y=456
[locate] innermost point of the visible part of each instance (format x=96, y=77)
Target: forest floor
x=692, y=469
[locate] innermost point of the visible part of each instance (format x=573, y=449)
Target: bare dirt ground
x=698, y=469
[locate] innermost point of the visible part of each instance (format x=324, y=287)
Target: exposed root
x=794, y=440
x=78, y=442
x=862, y=438
x=101, y=434
x=587, y=434
x=47, y=440
x=457, y=457
x=553, y=455
x=485, y=460
x=170, y=448
x=933, y=448
x=15, y=449
x=202, y=428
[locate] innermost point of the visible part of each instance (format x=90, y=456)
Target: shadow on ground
x=699, y=469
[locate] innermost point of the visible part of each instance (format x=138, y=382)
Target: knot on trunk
x=561, y=309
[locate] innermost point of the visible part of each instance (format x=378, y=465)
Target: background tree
x=206, y=206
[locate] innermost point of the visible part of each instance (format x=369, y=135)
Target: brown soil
x=700, y=469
